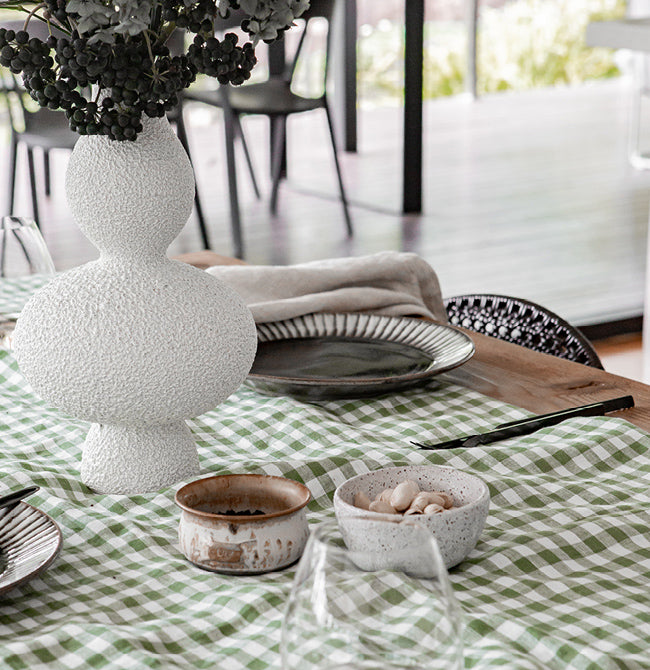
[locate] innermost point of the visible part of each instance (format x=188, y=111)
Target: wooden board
x=542, y=383
x=537, y=382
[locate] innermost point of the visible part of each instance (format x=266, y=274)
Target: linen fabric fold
x=389, y=283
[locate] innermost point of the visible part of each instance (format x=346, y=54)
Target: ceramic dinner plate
x=29, y=542
x=353, y=355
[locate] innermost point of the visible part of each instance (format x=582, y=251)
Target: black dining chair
x=33, y=127
x=39, y=128
x=46, y=129
x=521, y=322
x=175, y=117
x=275, y=99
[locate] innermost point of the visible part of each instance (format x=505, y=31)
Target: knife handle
x=594, y=409
x=535, y=423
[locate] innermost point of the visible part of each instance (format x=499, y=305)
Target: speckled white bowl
x=456, y=530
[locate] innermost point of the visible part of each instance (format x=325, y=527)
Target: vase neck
x=131, y=199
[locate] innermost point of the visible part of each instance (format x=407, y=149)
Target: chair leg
x=279, y=142
x=32, y=183
x=182, y=137
x=13, y=154
x=344, y=199
x=239, y=131
x=199, y=215
x=46, y=172
x=277, y=159
x=235, y=218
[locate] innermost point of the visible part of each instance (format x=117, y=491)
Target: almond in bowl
x=461, y=502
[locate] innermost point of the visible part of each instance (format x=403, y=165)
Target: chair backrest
x=35, y=27
x=318, y=9
x=521, y=322
x=11, y=88
x=176, y=42
x=11, y=92
x=233, y=20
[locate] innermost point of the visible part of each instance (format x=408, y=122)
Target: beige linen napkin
x=390, y=283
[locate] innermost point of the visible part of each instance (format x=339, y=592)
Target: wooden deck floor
x=527, y=194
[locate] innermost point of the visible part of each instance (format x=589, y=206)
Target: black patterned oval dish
x=29, y=541
x=353, y=355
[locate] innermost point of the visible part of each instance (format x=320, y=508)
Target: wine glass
x=364, y=610
x=23, y=254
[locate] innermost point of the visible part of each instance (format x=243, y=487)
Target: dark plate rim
x=370, y=381
x=42, y=566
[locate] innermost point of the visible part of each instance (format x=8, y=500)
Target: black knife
x=532, y=424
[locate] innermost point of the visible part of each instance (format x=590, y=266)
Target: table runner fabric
x=559, y=579
x=389, y=283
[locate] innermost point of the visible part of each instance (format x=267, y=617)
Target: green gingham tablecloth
x=559, y=579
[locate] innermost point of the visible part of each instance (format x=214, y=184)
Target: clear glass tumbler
x=25, y=265
x=371, y=610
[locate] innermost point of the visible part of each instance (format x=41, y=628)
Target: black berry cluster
x=224, y=60
x=56, y=9
x=192, y=17
x=104, y=89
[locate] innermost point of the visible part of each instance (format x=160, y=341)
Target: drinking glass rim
x=325, y=536
x=11, y=222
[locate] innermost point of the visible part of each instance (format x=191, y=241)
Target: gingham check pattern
x=559, y=579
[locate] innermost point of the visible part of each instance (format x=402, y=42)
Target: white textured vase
x=134, y=342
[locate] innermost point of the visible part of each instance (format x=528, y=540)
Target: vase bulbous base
x=138, y=459
x=133, y=342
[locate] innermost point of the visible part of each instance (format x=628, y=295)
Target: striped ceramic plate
x=29, y=542
x=349, y=355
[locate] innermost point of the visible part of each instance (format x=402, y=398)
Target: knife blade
x=532, y=424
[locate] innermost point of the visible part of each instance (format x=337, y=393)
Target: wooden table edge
x=537, y=382
x=542, y=383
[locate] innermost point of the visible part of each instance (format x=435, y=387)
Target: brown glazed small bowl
x=243, y=524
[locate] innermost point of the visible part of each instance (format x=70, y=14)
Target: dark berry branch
x=130, y=68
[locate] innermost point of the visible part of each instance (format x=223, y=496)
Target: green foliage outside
x=524, y=44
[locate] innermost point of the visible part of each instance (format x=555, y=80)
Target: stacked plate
x=353, y=355
x=29, y=542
